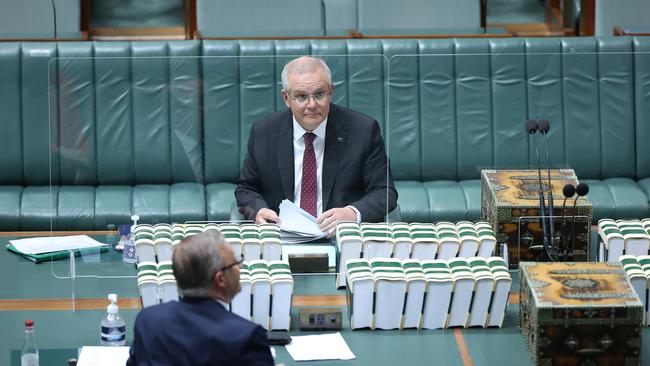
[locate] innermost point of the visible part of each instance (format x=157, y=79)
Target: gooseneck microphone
x=581, y=190
x=544, y=126
x=568, y=191
x=531, y=128
x=54, y=18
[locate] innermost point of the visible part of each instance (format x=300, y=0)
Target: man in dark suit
x=327, y=159
x=199, y=330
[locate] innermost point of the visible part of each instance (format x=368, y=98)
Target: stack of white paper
x=297, y=225
x=100, y=356
x=319, y=347
x=54, y=244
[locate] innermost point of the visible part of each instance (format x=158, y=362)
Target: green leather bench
x=153, y=129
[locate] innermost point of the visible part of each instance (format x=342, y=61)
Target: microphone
x=544, y=126
x=54, y=19
x=581, y=190
x=532, y=127
x=568, y=191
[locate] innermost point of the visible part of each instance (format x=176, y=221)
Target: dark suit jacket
x=355, y=166
x=196, y=331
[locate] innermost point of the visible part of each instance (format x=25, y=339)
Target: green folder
x=51, y=256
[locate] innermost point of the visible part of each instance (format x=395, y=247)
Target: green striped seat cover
x=270, y=235
x=143, y=228
x=248, y=235
x=447, y=235
x=477, y=262
x=468, y=234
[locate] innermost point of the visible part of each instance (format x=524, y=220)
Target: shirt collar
x=298, y=131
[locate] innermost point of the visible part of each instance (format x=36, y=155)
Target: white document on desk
x=103, y=356
x=54, y=244
x=297, y=225
x=319, y=347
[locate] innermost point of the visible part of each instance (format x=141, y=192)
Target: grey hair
x=298, y=65
x=195, y=261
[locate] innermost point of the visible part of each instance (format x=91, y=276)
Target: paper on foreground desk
x=319, y=347
x=54, y=247
x=54, y=244
x=103, y=356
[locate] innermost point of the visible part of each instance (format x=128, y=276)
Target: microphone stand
x=543, y=129
x=581, y=190
x=531, y=126
x=568, y=191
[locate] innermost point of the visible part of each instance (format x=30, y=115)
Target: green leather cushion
x=617, y=198
x=446, y=200
x=220, y=200
x=10, y=197
x=38, y=207
x=113, y=205
x=413, y=201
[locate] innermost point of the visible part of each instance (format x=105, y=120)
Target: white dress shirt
x=319, y=151
x=298, y=152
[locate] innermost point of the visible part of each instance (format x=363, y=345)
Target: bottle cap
x=29, y=323
x=112, y=307
x=135, y=219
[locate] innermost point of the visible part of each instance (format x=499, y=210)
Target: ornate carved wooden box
x=579, y=314
x=510, y=202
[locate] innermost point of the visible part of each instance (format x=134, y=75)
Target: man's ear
x=218, y=279
x=285, y=97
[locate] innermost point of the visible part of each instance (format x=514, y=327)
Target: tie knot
x=309, y=138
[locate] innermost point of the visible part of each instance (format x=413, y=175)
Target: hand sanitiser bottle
x=29, y=354
x=113, y=326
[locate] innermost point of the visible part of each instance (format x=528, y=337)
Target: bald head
x=305, y=65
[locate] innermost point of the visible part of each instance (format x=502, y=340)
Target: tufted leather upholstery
x=160, y=128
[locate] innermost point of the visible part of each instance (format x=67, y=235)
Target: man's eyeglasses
x=303, y=98
x=225, y=268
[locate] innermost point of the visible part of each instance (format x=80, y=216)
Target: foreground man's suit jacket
x=355, y=166
x=196, y=332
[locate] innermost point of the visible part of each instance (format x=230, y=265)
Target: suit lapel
x=335, y=140
x=284, y=142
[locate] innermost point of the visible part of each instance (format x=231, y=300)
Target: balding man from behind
x=199, y=329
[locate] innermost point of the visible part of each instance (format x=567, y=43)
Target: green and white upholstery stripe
x=436, y=270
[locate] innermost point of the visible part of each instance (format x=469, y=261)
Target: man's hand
x=330, y=218
x=266, y=215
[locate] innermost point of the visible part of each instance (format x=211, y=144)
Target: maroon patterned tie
x=308, y=184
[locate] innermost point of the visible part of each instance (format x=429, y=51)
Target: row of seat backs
x=137, y=13
x=91, y=113
x=609, y=14
x=21, y=19
x=310, y=18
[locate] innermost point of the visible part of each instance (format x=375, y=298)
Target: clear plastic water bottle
x=29, y=354
x=113, y=326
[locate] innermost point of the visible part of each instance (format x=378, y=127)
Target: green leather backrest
x=136, y=13
x=641, y=105
x=418, y=14
x=35, y=19
x=270, y=18
x=340, y=16
x=132, y=115
x=127, y=113
x=459, y=105
x=26, y=16
x=609, y=14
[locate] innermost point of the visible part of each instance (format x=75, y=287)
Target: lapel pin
x=340, y=139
